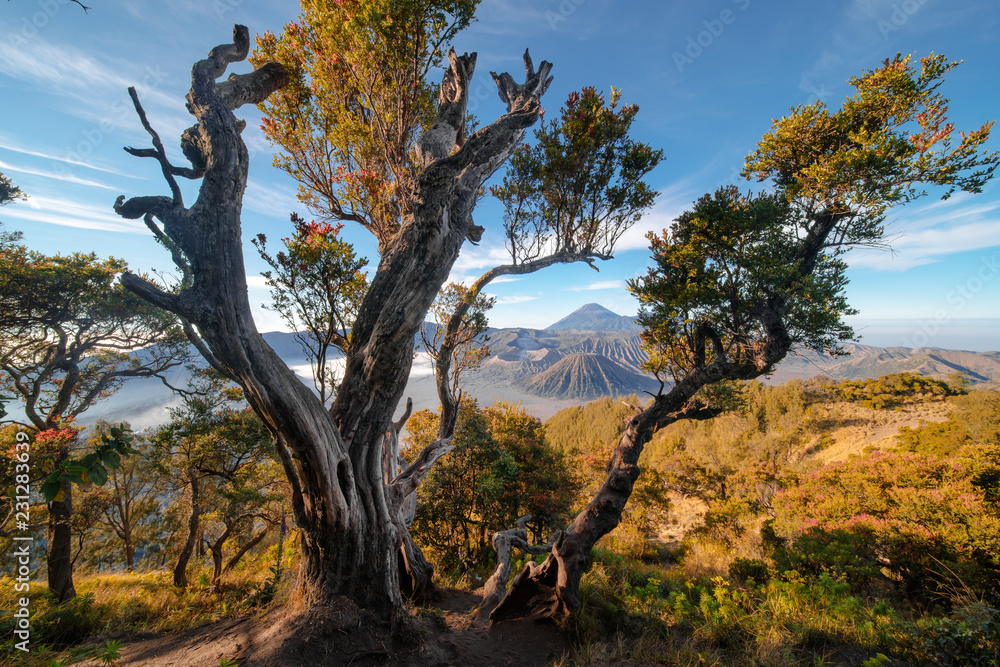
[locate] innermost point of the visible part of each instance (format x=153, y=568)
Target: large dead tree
x=348, y=513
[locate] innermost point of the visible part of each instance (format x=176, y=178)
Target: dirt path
x=440, y=635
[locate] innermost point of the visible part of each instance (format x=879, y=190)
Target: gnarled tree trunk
x=347, y=512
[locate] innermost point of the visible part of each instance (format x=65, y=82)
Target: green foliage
x=8, y=191
x=876, y=151
x=316, y=287
x=715, y=272
x=71, y=334
x=110, y=652
x=970, y=635
x=579, y=187
x=933, y=438
x=501, y=468
x=263, y=594
x=577, y=428
x=347, y=122
x=895, y=389
x=979, y=414
x=93, y=467
x=749, y=571
x=64, y=624
x=471, y=346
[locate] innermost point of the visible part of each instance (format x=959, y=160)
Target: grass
x=638, y=613
x=122, y=605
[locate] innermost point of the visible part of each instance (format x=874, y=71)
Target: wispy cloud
x=672, y=201
x=931, y=232
x=48, y=154
x=602, y=285
x=930, y=245
x=69, y=213
x=271, y=200
x=257, y=282
x=68, y=178
x=509, y=300
x=96, y=87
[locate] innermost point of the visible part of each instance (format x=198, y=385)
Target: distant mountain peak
x=594, y=317
x=593, y=309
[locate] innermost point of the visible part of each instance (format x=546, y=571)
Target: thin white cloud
x=602, y=285
x=672, y=201
x=7, y=144
x=473, y=261
x=271, y=200
x=510, y=300
x=257, y=282
x=66, y=177
x=97, y=89
x=69, y=213
x=930, y=245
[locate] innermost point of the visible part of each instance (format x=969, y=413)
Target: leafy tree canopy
x=359, y=97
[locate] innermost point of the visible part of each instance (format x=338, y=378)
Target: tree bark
x=129, y=548
x=60, y=546
x=349, y=520
x=504, y=542
x=194, y=523
x=238, y=556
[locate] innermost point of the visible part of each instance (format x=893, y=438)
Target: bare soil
x=343, y=634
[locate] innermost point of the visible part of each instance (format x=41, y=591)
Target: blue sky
x=708, y=77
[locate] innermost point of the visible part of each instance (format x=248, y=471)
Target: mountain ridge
x=521, y=356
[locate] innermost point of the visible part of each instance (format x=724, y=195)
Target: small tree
x=316, y=287
x=501, y=468
x=741, y=279
x=470, y=345
x=128, y=503
x=211, y=448
x=244, y=510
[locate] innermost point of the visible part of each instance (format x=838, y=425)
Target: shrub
x=750, y=570
x=918, y=520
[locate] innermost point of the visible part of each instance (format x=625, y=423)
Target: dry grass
x=856, y=428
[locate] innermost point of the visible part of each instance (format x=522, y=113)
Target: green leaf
x=111, y=459
x=50, y=489
x=98, y=475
